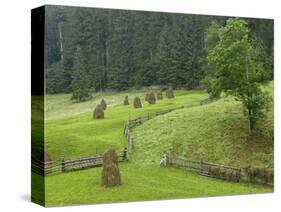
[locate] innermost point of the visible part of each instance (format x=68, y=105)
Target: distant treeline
x=116, y=49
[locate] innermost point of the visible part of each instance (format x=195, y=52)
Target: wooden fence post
x=125, y=155
x=63, y=165
x=165, y=159
x=201, y=167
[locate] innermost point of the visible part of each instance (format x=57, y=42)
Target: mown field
x=215, y=132
x=76, y=134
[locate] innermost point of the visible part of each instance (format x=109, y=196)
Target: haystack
x=170, y=93
x=151, y=98
x=110, y=172
x=137, y=102
x=98, y=112
x=103, y=104
x=126, y=100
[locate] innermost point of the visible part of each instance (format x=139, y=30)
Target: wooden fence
x=263, y=176
x=131, y=123
x=54, y=167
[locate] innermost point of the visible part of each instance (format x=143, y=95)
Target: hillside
x=74, y=133
x=217, y=132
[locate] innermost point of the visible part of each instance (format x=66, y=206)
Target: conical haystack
x=110, y=172
x=98, y=112
x=103, y=104
x=151, y=98
x=137, y=103
x=170, y=93
x=126, y=100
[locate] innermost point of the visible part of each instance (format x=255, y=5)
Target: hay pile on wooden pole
x=137, y=102
x=110, y=172
x=126, y=100
x=159, y=95
x=170, y=93
x=103, y=104
x=151, y=98
x=98, y=112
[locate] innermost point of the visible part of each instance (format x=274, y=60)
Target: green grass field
x=215, y=132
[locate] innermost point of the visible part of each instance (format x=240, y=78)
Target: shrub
x=170, y=93
x=261, y=175
x=151, y=98
x=270, y=176
x=103, y=104
x=110, y=172
x=224, y=173
x=159, y=96
x=98, y=112
x=126, y=100
x=137, y=102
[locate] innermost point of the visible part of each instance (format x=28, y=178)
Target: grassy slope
x=142, y=177
x=80, y=135
x=216, y=132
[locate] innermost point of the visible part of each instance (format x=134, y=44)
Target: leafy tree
x=211, y=81
x=81, y=79
x=236, y=70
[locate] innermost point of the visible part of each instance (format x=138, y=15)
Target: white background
x=15, y=103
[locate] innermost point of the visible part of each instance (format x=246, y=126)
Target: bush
x=270, y=176
x=137, y=102
x=151, y=98
x=224, y=173
x=261, y=175
x=98, y=112
x=170, y=93
x=126, y=100
x=110, y=172
x=103, y=104
x=159, y=96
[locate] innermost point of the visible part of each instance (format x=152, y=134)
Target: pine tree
x=81, y=80
x=182, y=58
x=164, y=56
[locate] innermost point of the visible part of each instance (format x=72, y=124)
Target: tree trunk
x=250, y=119
x=60, y=39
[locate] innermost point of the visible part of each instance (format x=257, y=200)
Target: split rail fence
x=53, y=167
x=263, y=176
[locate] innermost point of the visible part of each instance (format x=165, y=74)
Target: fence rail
x=54, y=167
x=131, y=123
x=263, y=176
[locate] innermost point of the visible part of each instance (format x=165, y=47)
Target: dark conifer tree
x=81, y=80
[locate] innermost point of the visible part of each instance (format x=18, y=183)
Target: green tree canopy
x=236, y=70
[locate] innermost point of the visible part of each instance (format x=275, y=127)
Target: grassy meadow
x=215, y=132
